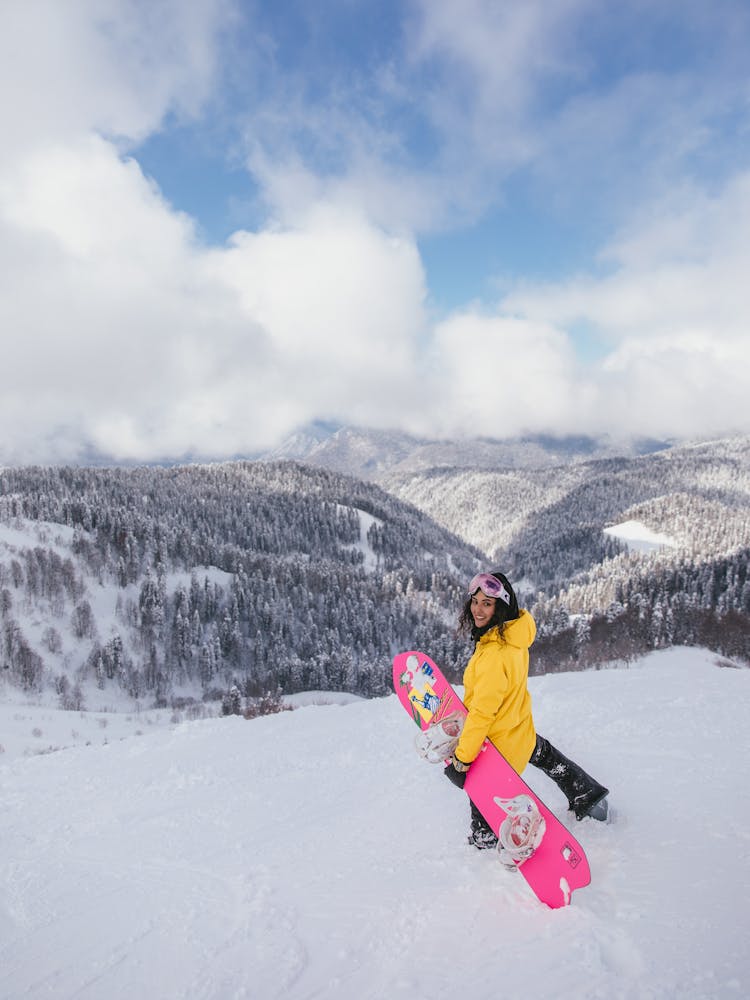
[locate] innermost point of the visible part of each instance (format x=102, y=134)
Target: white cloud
x=499, y=376
x=394, y=197
x=340, y=302
x=100, y=304
x=692, y=385
x=494, y=58
x=112, y=66
x=672, y=316
x=122, y=331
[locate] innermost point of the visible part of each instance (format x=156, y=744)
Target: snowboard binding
x=521, y=831
x=438, y=742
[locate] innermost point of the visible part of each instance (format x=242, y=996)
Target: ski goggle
x=490, y=587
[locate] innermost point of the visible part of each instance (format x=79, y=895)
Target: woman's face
x=482, y=608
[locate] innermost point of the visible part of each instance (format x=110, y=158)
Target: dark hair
x=503, y=612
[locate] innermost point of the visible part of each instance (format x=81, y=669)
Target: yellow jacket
x=496, y=694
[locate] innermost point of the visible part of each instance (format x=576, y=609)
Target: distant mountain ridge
x=376, y=454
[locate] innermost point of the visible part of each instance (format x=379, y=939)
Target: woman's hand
x=456, y=771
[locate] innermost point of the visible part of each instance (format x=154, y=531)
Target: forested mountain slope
x=547, y=523
x=547, y=529
x=264, y=575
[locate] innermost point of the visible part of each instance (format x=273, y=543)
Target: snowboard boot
x=586, y=797
x=481, y=835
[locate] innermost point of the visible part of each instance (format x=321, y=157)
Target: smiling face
x=482, y=609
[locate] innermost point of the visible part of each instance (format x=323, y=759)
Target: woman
x=499, y=703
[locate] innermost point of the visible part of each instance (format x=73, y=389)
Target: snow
x=312, y=854
x=212, y=574
x=36, y=615
x=638, y=536
x=23, y=534
x=366, y=521
x=29, y=730
x=307, y=698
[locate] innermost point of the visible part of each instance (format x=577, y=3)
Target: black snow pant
x=584, y=793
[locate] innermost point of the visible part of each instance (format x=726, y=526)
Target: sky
x=223, y=220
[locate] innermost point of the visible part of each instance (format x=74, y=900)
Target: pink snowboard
x=558, y=866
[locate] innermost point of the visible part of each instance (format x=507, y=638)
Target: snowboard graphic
x=544, y=851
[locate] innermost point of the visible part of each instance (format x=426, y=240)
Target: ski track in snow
x=312, y=854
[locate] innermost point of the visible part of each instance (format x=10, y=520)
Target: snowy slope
x=637, y=535
x=311, y=854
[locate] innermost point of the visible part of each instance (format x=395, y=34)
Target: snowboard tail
x=530, y=836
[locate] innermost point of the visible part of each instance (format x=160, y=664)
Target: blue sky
x=497, y=220
x=273, y=213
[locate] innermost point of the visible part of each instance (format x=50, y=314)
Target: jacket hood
x=519, y=632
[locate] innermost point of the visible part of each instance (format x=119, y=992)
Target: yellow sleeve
x=489, y=690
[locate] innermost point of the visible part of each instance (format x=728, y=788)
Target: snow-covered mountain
x=549, y=511
x=312, y=854
x=557, y=532
x=184, y=582
x=375, y=454
x=698, y=494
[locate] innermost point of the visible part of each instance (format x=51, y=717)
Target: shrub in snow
x=267, y=704
x=231, y=702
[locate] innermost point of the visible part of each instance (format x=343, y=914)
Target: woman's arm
x=490, y=688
